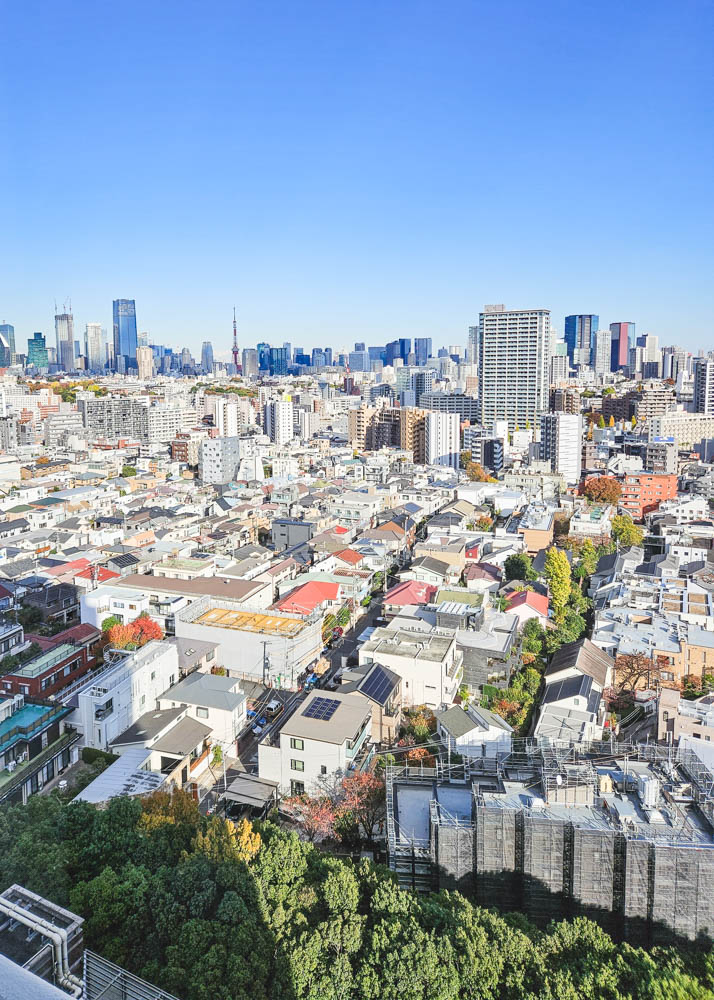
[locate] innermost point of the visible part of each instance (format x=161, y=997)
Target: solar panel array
x=321, y=708
x=377, y=685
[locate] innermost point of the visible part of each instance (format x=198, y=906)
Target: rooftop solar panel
x=377, y=685
x=321, y=708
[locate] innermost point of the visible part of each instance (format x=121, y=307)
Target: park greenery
x=209, y=910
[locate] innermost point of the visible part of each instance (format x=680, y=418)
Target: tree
x=557, y=575
x=223, y=840
x=635, y=670
x=484, y=523
x=316, y=816
x=476, y=472
x=625, y=531
x=363, y=795
x=602, y=489
x=120, y=636
x=464, y=458
x=519, y=567
x=611, y=421
x=601, y=421
x=136, y=634
x=128, y=471
x=110, y=622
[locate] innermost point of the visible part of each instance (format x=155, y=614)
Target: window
x=296, y=744
x=153, y=675
x=297, y=788
x=297, y=765
x=201, y=713
x=323, y=769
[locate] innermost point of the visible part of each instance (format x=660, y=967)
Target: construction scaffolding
x=622, y=832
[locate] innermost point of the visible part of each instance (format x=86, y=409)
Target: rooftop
x=330, y=718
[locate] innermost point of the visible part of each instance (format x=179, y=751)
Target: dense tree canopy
x=216, y=912
x=602, y=489
x=625, y=531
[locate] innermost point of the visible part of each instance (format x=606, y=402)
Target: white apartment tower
x=278, y=421
x=602, y=340
x=443, y=439
x=95, y=347
x=561, y=442
x=219, y=459
x=704, y=385
x=514, y=348
x=145, y=362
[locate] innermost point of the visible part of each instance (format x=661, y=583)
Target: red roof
x=339, y=530
x=66, y=567
x=304, y=599
x=103, y=574
x=349, y=556
x=528, y=598
x=410, y=592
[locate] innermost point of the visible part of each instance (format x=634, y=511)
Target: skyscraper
x=64, y=332
x=5, y=353
x=7, y=330
x=601, y=352
x=125, y=339
x=94, y=347
x=37, y=351
x=207, y=357
x=405, y=346
x=622, y=338
x=279, y=361
x=579, y=332
x=249, y=365
x=422, y=349
x=145, y=362
x=704, y=385
x=559, y=362
x=513, y=357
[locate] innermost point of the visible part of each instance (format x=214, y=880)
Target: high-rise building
x=328, y=356
x=442, y=444
x=263, y=356
x=94, y=347
x=142, y=339
x=359, y=346
x=391, y=352
x=513, y=356
x=207, y=357
x=579, y=332
x=317, y=359
x=601, y=352
x=359, y=361
x=279, y=361
x=622, y=338
x=145, y=362
x=561, y=442
x=125, y=339
x=422, y=349
x=37, y=356
x=405, y=346
x=472, y=347
x=7, y=330
x=278, y=421
x=250, y=363
x=704, y=385
x=5, y=352
x=64, y=332
x=559, y=362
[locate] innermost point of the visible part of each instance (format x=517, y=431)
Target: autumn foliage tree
x=363, y=795
x=602, y=489
x=136, y=634
x=557, y=575
x=316, y=816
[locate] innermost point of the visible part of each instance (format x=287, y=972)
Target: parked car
x=274, y=708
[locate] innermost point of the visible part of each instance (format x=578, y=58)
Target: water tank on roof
x=648, y=790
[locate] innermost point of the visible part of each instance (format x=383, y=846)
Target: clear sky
x=348, y=171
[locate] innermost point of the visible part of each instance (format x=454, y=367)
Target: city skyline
x=404, y=169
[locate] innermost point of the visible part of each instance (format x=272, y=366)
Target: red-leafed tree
x=363, y=795
x=120, y=636
x=316, y=816
x=602, y=489
x=136, y=634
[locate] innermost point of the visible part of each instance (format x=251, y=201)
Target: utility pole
x=266, y=663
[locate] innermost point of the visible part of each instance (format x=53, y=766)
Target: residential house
x=473, y=732
x=36, y=743
x=527, y=604
x=429, y=663
x=179, y=745
x=316, y=743
x=217, y=701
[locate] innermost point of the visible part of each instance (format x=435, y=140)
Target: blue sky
x=357, y=171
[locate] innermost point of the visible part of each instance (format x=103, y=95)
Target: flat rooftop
x=251, y=621
x=45, y=661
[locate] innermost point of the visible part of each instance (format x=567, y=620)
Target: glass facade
x=125, y=340
x=37, y=351
x=579, y=337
